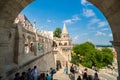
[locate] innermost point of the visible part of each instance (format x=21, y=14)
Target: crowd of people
x=84, y=75
x=32, y=74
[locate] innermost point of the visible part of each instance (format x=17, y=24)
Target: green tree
x=57, y=32
x=108, y=55
x=87, y=55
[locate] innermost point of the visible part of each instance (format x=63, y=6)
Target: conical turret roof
x=64, y=31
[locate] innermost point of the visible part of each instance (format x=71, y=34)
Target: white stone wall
x=43, y=65
x=7, y=45
x=12, y=46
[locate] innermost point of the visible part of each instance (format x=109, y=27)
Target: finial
x=34, y=23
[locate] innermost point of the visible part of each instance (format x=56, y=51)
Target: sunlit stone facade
x=63, y=48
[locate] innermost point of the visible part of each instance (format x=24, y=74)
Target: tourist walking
x=29, y=74
x=17, y=76
x=51, y=72
x=24, y=76
x=72, y=75
x=35, y=73
x=42, y=76
x=90, y=77
x=66, y=69
x=48, y=77
x=79, y=78
x=72, y=69
x=96, y=77
x=85, y=76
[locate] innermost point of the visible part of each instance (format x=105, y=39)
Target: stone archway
x=9, y=9
x=111, y=11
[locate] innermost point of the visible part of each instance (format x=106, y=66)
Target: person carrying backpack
x=72, y=69
x=52, y=71
x=35, y=73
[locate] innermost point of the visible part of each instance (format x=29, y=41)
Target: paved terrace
x=61, y=75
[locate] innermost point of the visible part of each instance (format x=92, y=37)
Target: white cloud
x=100, y=33
x=49, y=20
x=102, y=24
x=93, y=21
x=85, y=3
x=68, y=21
x=98, y=23
x=88, y=13
x=75, y=18
x=72, y=20
x=76, y=37
x=104, y=29
x=110, y=35
x=92, y=24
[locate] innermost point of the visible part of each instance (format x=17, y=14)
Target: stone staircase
x=61, y=75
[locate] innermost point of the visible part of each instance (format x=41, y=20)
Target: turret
x=64, y=32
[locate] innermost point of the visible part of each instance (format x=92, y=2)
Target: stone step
x=61, y=75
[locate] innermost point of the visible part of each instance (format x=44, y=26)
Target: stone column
x=19, y=45
x=36, y=48
x=116, y=45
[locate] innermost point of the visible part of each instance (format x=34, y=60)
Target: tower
x=64, y=33
x=64, y=47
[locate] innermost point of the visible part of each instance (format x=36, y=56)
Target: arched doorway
x=110, y=9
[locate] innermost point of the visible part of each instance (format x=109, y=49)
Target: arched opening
x=54, y=44
x=9, y=12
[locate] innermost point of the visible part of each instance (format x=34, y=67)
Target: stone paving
x=61, y=75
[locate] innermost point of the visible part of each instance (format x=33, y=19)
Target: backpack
x=53, y=71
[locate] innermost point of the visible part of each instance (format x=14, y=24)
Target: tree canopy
x=57, y=32
x=87, y=55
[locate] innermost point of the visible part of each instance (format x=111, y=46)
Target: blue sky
x=84, y=21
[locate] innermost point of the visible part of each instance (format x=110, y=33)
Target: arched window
x=65, y=44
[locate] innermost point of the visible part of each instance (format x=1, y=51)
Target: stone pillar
x=116, y=45
x=19, y=46
x=36, y=48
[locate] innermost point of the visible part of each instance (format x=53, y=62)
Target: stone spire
x=64, y=31
x=34, y=25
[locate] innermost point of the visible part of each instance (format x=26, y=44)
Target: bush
x=87, y=55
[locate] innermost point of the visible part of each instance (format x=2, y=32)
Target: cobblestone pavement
x=103, y=75
x=61, y=75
